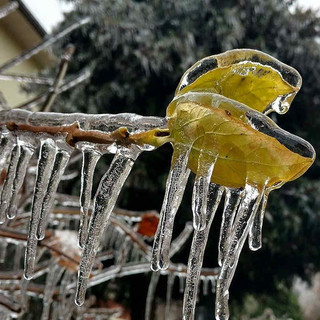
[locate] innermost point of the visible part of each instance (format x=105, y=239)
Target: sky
x=50, y=12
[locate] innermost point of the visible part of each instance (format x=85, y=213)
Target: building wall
x=9, y=48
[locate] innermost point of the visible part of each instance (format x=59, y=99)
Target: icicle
x=151, y=293
x=205, y=282
x=25, y=156
x=255, y=232
x=3, y=250
x=23, y=293
x=60, y=163
x=232, y=200
x=17, y=256
x=90, y=159
x=213, y=284
x=45, y=164
x=63, y=292
x=181, y=283
x=170, y=283
x=105, y=199
x=176, y=183
x=198, y=246
x=66, y=296
x=247, y=209
x=200, y=192
x=52, y=280
x=8, y=183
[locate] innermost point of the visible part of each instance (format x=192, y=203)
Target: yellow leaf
x=248, y=147
x=249, y=76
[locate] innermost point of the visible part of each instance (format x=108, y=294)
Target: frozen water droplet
x=175, y=186
x=232, y=200
x=45, y=164
x=105, y=199
x=59, y=165
x=90, y=159
x=198, y=246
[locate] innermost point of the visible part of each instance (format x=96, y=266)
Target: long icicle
x=247, y=209
x=198, y=246
x=90, y=159
x=151, y=293
x=176, y=183
x=105, y=199
x=60, y=163
x=255, y=232
x=45, y=164
x=8, y=183
x=232, y=200
x=26, y=153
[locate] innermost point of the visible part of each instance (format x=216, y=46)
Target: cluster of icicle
x=242, y=215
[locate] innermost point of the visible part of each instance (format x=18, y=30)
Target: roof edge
x=31, y=18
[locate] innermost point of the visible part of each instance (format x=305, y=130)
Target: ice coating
x=175, y=186
x=197, y=249
x=104, y=201
x=45, y=165
x=90, y=159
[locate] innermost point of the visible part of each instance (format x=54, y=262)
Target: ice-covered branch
x=26, y=79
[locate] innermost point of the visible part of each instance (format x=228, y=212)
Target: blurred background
x=137, y=51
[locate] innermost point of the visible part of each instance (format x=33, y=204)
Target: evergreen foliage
x=138, y=50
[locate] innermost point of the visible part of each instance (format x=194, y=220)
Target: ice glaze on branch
x=122, y=129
